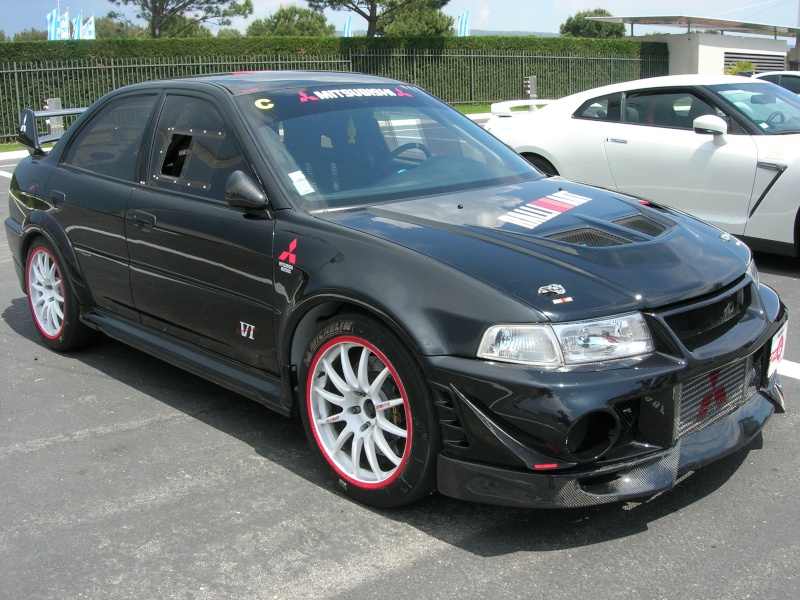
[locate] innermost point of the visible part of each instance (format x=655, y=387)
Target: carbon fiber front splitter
x=478, y=482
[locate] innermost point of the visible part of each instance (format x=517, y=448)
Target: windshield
x=338, y=147
x=772, y=108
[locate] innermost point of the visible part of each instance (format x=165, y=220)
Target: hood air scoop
x=639, y=228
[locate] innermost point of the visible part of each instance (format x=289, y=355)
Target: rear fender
x=41, y=224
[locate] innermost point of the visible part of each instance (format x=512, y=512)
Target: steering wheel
x=775, y=116
x=404, y=148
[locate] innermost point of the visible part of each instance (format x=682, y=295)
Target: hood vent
x=592, y=237
x=588, y=236
x=642, y=224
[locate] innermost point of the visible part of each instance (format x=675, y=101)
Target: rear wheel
x=53, y=305
x=368, y=411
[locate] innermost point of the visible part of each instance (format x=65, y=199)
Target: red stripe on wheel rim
x=313, y=416
x=36, y=318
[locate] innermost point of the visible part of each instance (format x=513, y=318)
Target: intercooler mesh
x=708, y=398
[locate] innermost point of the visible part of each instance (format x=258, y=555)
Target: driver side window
x=667, y=108
x=195, y=151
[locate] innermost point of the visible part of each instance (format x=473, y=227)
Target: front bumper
x=643, y=477
x=509, y=431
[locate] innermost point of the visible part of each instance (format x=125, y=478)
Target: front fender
x=338, y=266
x=774, y=213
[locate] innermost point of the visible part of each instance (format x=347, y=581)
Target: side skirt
x=244, y=380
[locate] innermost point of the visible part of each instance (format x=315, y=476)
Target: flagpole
x=797, y=33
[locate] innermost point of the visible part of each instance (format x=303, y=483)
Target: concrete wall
x=705, y=52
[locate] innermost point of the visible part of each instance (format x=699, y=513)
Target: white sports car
x=724, y=148
x=787, y=79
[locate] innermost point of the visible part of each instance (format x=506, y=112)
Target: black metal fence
x=455, y=77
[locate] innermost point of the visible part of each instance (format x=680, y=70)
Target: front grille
x=588, y=236
x=698, y=326
x=708, y=398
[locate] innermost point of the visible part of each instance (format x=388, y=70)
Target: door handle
x=144, y=221
x=616, y=141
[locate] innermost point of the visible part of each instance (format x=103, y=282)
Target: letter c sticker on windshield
x=264, y=103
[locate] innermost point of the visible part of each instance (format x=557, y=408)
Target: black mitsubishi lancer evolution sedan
x=350, y=251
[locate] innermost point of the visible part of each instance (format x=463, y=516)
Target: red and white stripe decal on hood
x=540, y=211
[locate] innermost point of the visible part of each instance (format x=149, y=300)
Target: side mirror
x=242, y=191
x=710, y=125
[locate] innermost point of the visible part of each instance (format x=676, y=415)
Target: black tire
x=53, y=305
x=542, y=164
x=387, y=424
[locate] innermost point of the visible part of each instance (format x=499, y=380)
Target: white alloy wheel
x=45, y=292
x=358, y=412
x=53, y=304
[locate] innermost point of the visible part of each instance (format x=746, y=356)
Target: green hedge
x=458, y=70
x=146, y=48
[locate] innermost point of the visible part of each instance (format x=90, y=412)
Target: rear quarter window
x=603, y=108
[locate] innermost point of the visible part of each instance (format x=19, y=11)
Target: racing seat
x=312, y=151
x=698, y=109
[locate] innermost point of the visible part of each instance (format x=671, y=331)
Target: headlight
x=752, y=271
x=560, y=344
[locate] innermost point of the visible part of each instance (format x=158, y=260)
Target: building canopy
x=706, y=23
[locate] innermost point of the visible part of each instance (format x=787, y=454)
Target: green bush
x=458, y=70
x=149, y=48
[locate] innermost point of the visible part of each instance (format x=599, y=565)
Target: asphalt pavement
x=124, y=477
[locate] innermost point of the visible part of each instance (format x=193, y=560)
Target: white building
x=698, y=52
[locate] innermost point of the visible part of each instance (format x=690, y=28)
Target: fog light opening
x=592, y=435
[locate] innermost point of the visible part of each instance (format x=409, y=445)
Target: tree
x=373, y=10
x=158, y=13
x=31, y=35
x=418, y=19
x=107, y=28
x=182, y=27
x=579, y=26
x=225, y=32
x=740, y=67
x=2, y=36
x=291, y=20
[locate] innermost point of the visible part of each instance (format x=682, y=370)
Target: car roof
x=796, y=73
x=251, y=81
x=662, y=82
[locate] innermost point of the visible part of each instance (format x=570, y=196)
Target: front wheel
x=53, y=305
x=368, y=411
x=542, y=164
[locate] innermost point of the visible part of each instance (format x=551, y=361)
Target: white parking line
x=4, y=174
x=789, y=369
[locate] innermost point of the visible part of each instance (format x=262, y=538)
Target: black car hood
x=609, y=253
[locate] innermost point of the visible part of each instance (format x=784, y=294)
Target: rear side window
x=791, y=83
x=603, y=108
x=110, y=143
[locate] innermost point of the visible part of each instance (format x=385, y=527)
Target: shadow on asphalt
x=483, y=530
x=777, y=265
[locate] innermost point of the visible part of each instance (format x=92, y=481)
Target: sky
x=495, y=15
